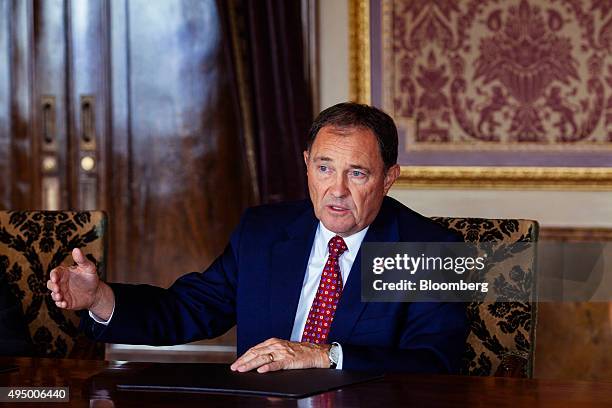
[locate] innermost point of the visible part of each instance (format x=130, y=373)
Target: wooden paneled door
x=125, y=106
x=53, y=106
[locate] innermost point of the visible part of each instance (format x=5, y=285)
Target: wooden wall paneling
x=88, y=95
x=573, y=341
x=23, y=175
x=167, y=155
x=575, y=234
x=574, y=338
x=177, y=185
x=50, y=105
x=185, y=172
x=5, y=106
x=118, y=174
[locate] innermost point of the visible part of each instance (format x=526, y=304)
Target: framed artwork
x=489, y=93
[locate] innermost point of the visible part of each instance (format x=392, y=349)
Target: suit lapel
x=383, y=229
x=288, y=266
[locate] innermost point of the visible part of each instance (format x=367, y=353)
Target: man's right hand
x=79, y=287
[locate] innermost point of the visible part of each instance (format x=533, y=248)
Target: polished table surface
x=394, y=390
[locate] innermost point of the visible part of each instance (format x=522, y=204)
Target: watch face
x=333, y=354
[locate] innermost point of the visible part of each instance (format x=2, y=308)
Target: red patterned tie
x=328, y=294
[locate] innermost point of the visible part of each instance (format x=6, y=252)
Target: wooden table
x=394, y=390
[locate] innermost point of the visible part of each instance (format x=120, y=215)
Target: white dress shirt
x=316, y=261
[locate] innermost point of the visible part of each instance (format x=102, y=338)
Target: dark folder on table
x=218, y=378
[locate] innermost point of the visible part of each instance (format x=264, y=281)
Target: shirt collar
x=353, y=242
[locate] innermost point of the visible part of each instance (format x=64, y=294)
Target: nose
x=339, y=188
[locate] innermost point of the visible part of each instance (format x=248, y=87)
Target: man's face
x=346, y=178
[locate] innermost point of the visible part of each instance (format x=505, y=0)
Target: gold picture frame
x=461, y=177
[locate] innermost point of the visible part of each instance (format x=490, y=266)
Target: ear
x=392, y=175
x=306, y=157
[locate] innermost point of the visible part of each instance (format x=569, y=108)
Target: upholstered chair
x=501, y=341
x=31, y=244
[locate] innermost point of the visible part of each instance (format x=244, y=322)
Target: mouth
x=335, y=209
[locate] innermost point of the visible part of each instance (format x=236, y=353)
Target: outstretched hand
x=79, y=287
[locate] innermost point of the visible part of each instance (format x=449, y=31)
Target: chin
x=335, y=226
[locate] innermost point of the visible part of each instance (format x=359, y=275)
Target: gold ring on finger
x=271, y=357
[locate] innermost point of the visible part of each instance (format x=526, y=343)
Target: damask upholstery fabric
x=502, y=334
x=32, y=243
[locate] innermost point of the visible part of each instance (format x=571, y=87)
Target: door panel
x=186, y=176
x=50, y=110
x=125, y=107
x=88, y=67
x=21, y=180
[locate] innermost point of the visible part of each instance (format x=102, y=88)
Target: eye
x=356, y=173
x=324, y=169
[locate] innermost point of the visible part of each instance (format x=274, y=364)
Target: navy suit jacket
x=256, y=284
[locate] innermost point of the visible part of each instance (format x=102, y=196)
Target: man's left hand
x=276, y=354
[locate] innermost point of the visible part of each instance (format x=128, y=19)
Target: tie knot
x=337, y=246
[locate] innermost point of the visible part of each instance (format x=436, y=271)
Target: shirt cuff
x=106, y=322
x=339, y=365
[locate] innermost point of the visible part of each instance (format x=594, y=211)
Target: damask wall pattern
x=515, y=74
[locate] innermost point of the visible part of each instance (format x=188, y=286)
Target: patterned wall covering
x=532, y=75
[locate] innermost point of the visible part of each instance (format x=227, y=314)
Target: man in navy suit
x=290, y=275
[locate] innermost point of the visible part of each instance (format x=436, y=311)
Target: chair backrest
x=31, y=244
x=502, y=334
